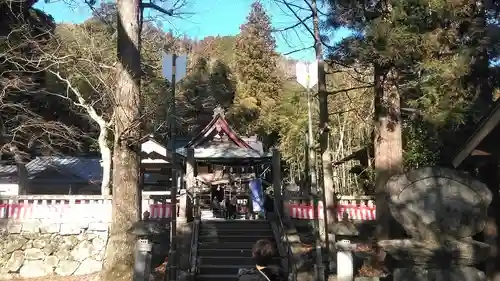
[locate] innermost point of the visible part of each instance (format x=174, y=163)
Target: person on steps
x=233, y=207
x=268, y=205
x=227, y=207
x=263, y=253
x=215, y=207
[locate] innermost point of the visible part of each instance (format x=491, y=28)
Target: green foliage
x=423, y=144
x=208, y=85
x=291, y=120
x=220, y=47
x=438, y=51
x=255, y=66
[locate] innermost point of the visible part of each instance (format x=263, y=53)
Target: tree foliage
x=208, y=85
x=437, y=54
x=440, y=52
x=255, y=66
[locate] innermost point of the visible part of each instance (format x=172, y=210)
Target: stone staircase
x=225, y=246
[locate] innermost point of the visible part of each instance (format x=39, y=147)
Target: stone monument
x=441, y=209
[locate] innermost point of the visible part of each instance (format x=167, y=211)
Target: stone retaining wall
x=35, y=249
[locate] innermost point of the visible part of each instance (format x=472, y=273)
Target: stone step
x=218, y=269
x=244, y=223
x=225, y=252
x=218, y=260
x=206, y=238
x=226, y=245
x=218, y=277
x=235, y=231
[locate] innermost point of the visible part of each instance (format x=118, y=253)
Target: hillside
x=221, y=47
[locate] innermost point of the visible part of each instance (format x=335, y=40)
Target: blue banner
x=257, y=196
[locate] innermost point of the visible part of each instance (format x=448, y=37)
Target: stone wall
x=35, y=249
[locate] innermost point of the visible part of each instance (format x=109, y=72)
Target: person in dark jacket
x=268, y=204
x=216, y=207
x=263, y=253
x=227, y=208
x=233, y=207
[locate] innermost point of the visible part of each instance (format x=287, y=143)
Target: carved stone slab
x=431, y=274
x=435, y=203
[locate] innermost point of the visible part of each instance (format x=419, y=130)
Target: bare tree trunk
x=388, y=143
x=126, y=161
x=104, y=130
x=326, y=158
x=106, y=155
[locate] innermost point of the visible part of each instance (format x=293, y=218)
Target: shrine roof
x=223, y=152
x=484, y=141
x=219, y=141
x=219, y=126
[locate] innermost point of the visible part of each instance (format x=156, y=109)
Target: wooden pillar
x=23, y=183
x=181, y=202
x=190, y=183
x=276, y=172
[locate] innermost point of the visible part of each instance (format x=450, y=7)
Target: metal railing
x=193, y=257
x=291, y=268
x=194, y=248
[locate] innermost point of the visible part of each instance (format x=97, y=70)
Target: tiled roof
x=254, y=143
x=88, y=169
x=7, y=170
x=179, y=143
x=8, y=173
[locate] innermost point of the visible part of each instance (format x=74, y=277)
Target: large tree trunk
x=126, y=170
x=326, y=159
x=388, y=143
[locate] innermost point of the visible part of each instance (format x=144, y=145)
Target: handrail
x=194, y=247
x=292, y=274
x=193, y=257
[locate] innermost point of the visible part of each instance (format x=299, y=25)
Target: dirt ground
x=90, y=277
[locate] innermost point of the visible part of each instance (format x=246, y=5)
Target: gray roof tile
x=88, y=169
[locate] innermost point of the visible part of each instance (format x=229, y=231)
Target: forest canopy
x=439, y=59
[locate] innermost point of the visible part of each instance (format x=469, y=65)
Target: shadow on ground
x=162, y=246
x=302, y=242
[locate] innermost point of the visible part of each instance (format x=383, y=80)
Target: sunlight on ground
x=90, y=277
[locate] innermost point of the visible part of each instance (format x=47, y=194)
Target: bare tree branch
x=153, y=6
x=298, y=50
x=22, y=123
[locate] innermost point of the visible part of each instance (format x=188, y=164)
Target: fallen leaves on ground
x=159, y=272
x=89, y=277
x=368, y=271
x=365, y=248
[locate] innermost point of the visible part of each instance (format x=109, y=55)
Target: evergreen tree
x=255, y=66
x=429, y=56
x=221, y=84
x=207, y=85
x=438, y=53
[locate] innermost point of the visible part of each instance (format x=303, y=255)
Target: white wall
x=9, y=189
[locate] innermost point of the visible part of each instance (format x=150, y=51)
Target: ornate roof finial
x=219, y=111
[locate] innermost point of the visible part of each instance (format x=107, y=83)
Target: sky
x=203, y=18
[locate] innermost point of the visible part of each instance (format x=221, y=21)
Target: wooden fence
x=360, y=208
x=71, y=207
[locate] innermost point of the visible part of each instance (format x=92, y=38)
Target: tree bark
x=326, y=158
x=388, y=145
x=126, y=161
x=106, y=155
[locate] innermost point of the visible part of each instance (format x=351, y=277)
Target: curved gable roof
x=219, y=124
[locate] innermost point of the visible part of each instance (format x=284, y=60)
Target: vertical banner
x=256, y=192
